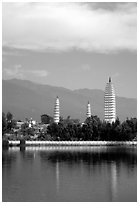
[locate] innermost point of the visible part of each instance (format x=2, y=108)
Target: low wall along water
x=70, y=143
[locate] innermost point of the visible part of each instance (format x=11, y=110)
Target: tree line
x=93, y=129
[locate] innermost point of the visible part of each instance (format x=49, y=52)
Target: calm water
x=70, y=174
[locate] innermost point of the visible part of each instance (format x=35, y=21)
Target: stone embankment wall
x=71, y=143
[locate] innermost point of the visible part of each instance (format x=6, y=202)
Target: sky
x=71, y=45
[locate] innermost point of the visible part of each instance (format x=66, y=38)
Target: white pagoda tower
x=109, y=103
x=56, y=111
x=88, y=114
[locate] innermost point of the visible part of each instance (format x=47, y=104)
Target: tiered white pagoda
x=109, y=103
x=56, y=111
x=88, y=114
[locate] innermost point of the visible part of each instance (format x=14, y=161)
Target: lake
x=35, y=174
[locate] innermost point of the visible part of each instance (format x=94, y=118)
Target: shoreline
x=11, y=143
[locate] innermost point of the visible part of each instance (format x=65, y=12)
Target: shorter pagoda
x=88, y=114
x=56, y=111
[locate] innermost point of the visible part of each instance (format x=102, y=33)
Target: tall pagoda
x=109, y=102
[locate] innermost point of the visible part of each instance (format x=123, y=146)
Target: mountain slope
x=26, y=99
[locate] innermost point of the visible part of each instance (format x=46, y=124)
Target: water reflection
x=114, y=181
x=91, y=156
x=57, y=177
x=70, y=174
x=94, y=158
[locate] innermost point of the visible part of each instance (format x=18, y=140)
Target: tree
x=129, y=129
x=9, y=117
x=46, y=119
x=69, y=120
x=4, y=123
x=24, y=129
x=87, y=132
x=94, y=127
x=11, y=123
x=53, y=130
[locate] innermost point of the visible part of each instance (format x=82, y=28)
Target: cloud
x=18, y=72
x=65, y=26
x=38, y=73
x=11, y=53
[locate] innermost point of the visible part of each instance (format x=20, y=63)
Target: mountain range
x=26, y=99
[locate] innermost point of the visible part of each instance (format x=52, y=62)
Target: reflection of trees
x=26, y=156
x=122, y=155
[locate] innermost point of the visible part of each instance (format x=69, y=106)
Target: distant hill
x=25, y=99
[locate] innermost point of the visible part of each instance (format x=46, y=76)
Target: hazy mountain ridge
x=27, y=99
